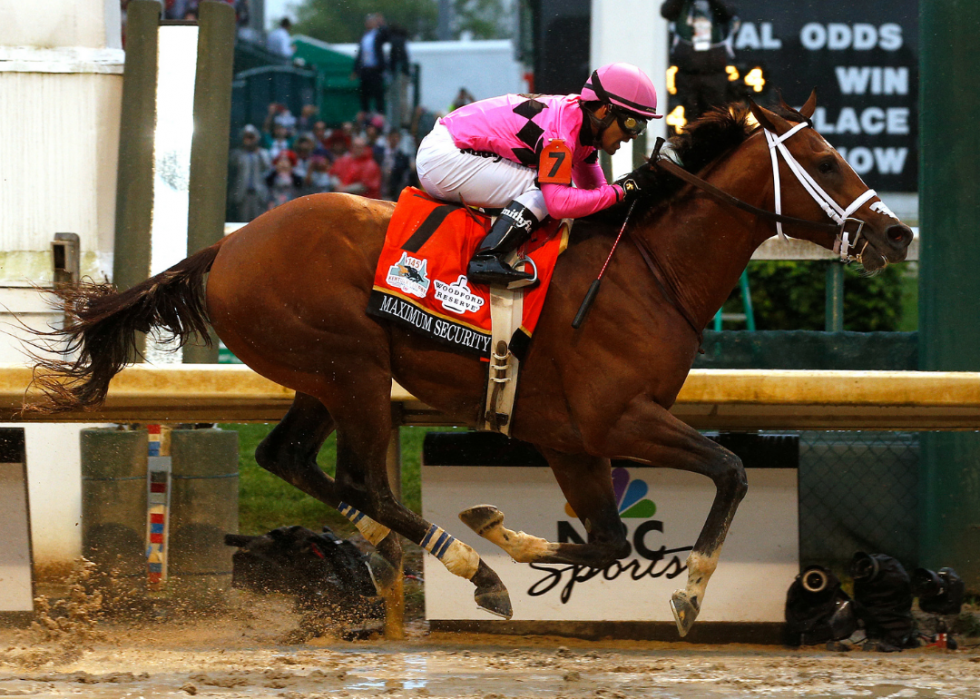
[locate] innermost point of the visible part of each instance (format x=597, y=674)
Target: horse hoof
x=383, y=574
x=482, y=518
x=496, y=601
x=685, y=611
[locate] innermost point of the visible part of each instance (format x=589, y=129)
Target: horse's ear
x=768, y=120
x=810, y=106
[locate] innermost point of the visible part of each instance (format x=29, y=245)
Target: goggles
x=631, y=125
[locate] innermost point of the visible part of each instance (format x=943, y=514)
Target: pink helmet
x=623, y=85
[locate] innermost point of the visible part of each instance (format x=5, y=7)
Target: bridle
x=846, y=240
x=844, y=244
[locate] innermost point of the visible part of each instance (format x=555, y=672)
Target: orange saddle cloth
x=421, y=279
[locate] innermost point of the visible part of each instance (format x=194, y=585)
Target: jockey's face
x=614, y=135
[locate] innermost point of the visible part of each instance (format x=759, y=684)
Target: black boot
x=515, y=225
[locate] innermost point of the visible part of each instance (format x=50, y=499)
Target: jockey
x=525, y=152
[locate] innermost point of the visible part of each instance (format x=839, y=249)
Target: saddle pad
x=421, y=279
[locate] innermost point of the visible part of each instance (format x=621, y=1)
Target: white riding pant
x=489, y=181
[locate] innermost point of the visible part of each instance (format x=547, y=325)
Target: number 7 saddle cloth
x=421, y=279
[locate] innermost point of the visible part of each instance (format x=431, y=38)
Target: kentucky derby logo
x=631, y=497
x=457, y=297
x=408, y=274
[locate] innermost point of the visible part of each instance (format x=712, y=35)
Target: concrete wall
x=61, y=67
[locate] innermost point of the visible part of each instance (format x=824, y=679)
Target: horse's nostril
x=899, y=234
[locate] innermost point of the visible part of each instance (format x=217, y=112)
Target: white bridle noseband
x=844, y=243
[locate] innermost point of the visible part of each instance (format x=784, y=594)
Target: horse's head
x=815, y=183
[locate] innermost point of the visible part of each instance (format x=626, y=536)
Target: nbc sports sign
x=663, y=511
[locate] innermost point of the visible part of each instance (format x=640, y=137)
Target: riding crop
x=594, y=288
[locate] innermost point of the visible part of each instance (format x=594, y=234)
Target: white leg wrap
x=523, y=548
x=370, y=530
x=459, y=558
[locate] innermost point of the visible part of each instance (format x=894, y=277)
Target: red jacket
x=363, y=169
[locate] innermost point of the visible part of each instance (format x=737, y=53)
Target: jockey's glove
x=630, y=189
x=633, y=184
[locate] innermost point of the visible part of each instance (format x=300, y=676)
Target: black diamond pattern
x=530, y=108
x=527, y=157
x=530, y=134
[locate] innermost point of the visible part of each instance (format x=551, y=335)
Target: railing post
x=834, y=322
x=394, y=598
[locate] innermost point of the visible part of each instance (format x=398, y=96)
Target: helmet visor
x=631, y=125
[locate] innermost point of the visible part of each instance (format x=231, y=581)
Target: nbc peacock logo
x=631, y=497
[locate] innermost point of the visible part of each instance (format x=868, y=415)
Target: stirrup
x=522, y=283
x=499, y=274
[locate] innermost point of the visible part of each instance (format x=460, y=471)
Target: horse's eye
x=827, y=166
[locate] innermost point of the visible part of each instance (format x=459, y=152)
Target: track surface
x=254, y=653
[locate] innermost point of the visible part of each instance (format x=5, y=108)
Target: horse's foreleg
x=648, y=433
x=586, y=482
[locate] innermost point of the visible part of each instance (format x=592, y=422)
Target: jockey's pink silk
x=501, y=125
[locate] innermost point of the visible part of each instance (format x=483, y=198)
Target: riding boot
x=513, y=227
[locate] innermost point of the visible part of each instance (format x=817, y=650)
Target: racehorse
x=287, y=294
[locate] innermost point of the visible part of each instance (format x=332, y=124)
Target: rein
x=726, y=198
x=843, y=244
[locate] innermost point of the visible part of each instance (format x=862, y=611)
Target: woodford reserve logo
x=645, y=561
x=457, y=297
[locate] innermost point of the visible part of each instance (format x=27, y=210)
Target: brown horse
x=287, y=294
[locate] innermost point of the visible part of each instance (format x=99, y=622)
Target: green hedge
x=792, y=296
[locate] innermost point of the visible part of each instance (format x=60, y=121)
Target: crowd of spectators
x=291, y=156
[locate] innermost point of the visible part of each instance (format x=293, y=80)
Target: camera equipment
x=817, y=610
x=938, y=593
x=883, y=600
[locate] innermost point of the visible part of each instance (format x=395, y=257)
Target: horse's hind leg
x=586, y=482
x=290, y=452
x=362, y=481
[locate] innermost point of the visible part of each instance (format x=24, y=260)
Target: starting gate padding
x=16, y=580
x=663, y=511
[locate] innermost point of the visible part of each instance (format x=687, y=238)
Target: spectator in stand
x=303, y=147
x=463, y=98
x=248, y=165
x=422, y=123
x=395, y=166
x=318, y=177
x=339, y=140
x=357, y=172
x=307, y=117
x=277, y=129
x=279, y=41
x=369, y=63
x=372, y=133
x=319, y=134
x=284, y=184
x=338, y=149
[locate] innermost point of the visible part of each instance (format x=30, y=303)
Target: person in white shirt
x=370, y=65
x=279, y=41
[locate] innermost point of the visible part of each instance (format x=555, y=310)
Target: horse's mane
x=702, y=142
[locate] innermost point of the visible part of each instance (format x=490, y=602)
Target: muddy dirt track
x=255, y=652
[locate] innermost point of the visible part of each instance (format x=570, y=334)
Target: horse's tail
x=102, y=326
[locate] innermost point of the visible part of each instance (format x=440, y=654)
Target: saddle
x=421, y=284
